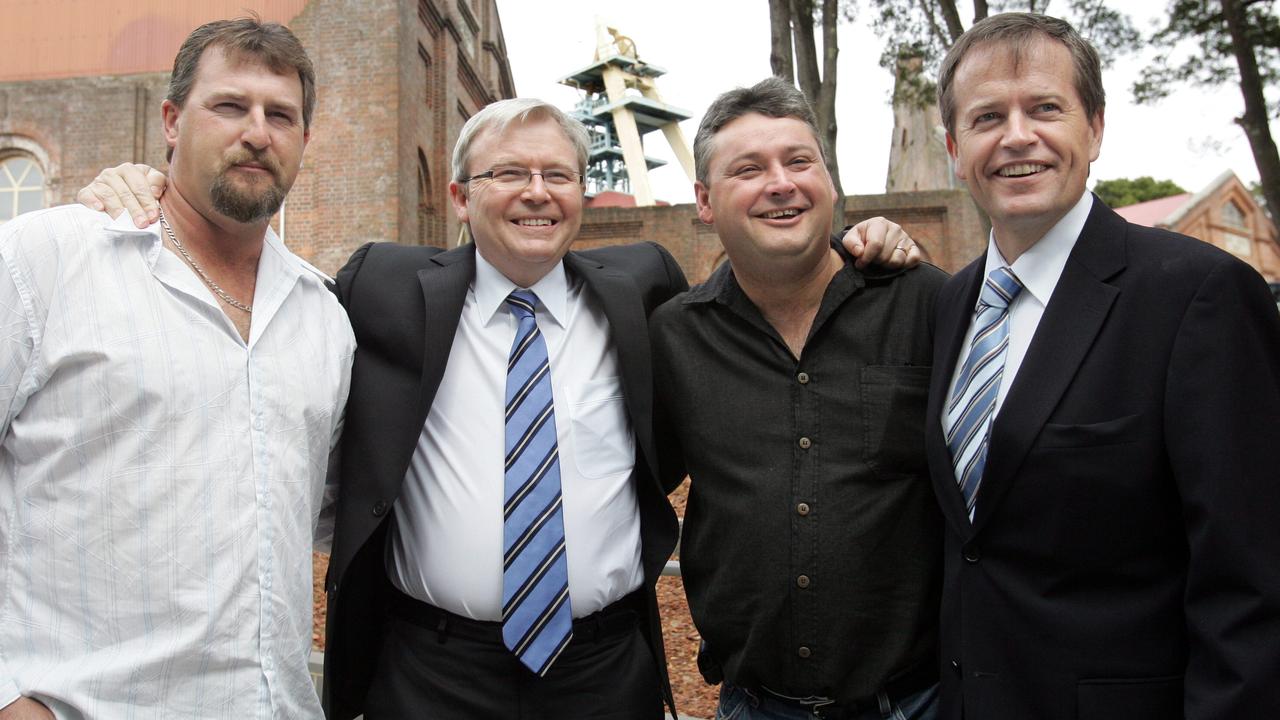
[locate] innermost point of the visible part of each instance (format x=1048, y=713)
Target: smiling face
x=768, y=193
x=523, y=233
x=238, y=139
x=1023, y=140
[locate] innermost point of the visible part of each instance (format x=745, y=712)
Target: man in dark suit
x=420, y=577
x=1110, y=535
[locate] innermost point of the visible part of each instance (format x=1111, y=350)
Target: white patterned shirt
x=160, y=478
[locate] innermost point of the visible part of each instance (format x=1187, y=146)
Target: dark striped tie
x=537, y=621
x=968, y=417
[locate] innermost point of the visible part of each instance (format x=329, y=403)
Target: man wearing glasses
x=501, y=404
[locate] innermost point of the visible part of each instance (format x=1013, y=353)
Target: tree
x=791, y=33
x=1125, y=191
x=1235, y=41
x=928, y=28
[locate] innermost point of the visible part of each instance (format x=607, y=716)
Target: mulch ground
x=694, y=697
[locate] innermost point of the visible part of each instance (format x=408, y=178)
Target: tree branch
x=826, y=103
x=780, y=40
x=980, y=10
x=806, y=53
x=952, y=16
x=1254, y=122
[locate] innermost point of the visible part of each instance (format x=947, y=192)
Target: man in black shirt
x=791, y=388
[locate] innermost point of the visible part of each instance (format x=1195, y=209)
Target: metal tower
x=620, y=104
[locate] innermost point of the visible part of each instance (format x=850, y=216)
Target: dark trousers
x=436, y=665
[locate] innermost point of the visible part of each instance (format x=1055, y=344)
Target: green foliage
x=1126, y=191
x=1193, y=47
x=918, y=28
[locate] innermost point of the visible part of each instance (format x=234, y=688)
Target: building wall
x=1253, y=242
x=395, y=81
x=75, y=127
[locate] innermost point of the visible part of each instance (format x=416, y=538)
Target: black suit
x=405, y=304
x=1122, y=562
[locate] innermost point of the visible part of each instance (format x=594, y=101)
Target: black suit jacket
x=1122, y=562
x=404, y=304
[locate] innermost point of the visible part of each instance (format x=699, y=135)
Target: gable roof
x=1153, y=212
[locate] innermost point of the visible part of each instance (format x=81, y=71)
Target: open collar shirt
x=1038, y=269
x=812, y=540
x=160, y=477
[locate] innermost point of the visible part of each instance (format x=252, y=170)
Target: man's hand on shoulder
x=24, y=708
x=882, y=243
x=128, y=186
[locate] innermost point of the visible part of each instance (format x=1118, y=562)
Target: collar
x=1040, y=266
x=278, y=256
x=122, y=227
x=723, y=287
x=491, y=288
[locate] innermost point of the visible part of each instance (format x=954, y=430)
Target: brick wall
x=395, y=78
x=76, y=127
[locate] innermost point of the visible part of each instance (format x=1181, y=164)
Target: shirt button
x=802, y=509
x=805, y=443
x=379, y=508
x=802, y=581
x=803, y=378
x=804, y=651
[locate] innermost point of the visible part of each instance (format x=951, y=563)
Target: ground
x=694, y=697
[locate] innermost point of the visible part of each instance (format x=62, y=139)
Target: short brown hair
x=270, y=43
x=772, y=97
x=1016, y=31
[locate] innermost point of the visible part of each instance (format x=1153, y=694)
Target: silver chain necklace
x=200, y=271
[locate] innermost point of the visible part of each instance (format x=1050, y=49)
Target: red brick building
x=1223, y=213
x=81, y=85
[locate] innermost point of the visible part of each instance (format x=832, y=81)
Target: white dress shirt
x=446, y=544
x=159, y=477
x=1039, y=269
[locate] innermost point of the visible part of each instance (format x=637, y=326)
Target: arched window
x=1232, y=215
x=426, y=208
x=21, y=186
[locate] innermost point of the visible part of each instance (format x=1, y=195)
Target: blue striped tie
x=537, y=621
x=968, y=417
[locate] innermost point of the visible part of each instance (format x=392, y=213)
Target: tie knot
x=1001, y=288
x=522, y=303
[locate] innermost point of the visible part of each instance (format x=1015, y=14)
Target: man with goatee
x=170, y=397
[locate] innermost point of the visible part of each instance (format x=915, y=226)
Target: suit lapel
x=620, y=300
x=444, y=289
x=1075, y=314
x=954, y=312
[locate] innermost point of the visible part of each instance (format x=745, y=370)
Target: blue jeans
x=740, y=704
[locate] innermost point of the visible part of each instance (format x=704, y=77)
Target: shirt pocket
x=602, y=440
x=894, y=400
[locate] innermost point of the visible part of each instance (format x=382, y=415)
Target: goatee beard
x=242, y=206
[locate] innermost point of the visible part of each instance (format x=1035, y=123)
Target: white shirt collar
x=1040, y=266
x=280, y=260
x=491, y=288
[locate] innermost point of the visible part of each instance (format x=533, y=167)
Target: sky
x=709, y=46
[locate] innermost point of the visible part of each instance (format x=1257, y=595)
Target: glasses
x=514, y=177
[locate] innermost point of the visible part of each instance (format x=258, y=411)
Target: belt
x=615, y=619
x=915, y=680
